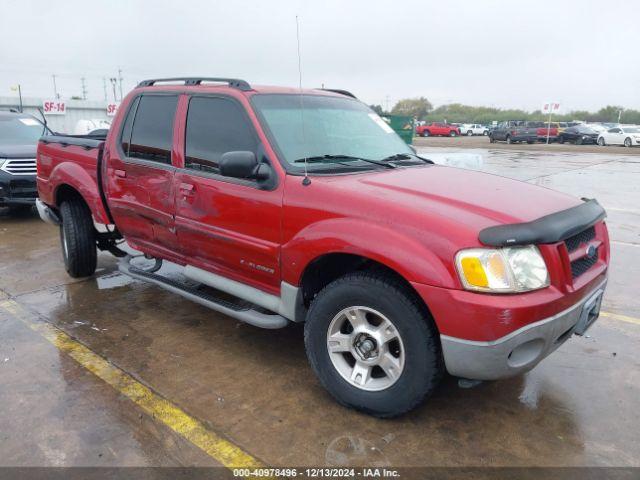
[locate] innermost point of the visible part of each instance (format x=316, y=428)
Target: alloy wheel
x=365, y=348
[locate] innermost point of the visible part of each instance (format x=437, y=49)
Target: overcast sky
x=584, y=54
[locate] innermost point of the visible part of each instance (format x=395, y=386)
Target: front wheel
x=485, y=133
x=425, y=133
x=452, y=133
x=509, y=140
x=627, y=142
x=601, y=142
x=561, y=139
x=469, y=133
x=78, y=238
x=491, y=139
x=373, y=346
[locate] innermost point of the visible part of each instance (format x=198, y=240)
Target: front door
x=227, y=226
x=615, y=136
x=140, y=173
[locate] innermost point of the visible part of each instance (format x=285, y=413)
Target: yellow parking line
x=622, y=318
x=222, y=450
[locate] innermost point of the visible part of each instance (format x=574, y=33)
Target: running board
x=243, y=311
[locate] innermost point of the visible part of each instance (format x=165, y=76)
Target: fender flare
x=75, y=176
x=404, y=254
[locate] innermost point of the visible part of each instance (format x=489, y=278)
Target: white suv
x=473, y=129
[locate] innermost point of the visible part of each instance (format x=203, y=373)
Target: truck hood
x=18, y=151
x=475, y=199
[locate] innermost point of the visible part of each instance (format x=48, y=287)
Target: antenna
x=306, y=181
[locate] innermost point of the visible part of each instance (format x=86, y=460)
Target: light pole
x=55, y=87
x=113, y=84
x=120, y=82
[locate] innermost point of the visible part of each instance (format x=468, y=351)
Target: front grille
x=578, y=267
x=22, y=166
x=23, y=189
x=585, y=236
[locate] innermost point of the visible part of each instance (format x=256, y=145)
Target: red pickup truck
x=544, y=129
x=400, y=269
x=437, y=129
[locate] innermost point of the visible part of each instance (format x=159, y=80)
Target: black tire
x=453, y=133
x=469, y=133
x=627, y=142
x=560, y=139
x=485, y=133
x=601, y=142
x=78, y=239
x=423, y=361
x=508, y=139
x=425, y=133
x=491, y=139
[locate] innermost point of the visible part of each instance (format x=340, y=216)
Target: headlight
x=502, y=270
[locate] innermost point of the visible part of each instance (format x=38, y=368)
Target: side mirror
x=238, y=164
x=245, y=165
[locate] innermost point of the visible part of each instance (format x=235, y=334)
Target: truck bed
x=76, y=158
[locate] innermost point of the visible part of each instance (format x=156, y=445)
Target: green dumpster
x=403, y=126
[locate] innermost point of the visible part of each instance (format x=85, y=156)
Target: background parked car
x=513, y=131
x=19, y=134
x=437, y=128
x=627, y=136
x=579, y=134
x=544, y=129
x=87, y=126
x=473, y=129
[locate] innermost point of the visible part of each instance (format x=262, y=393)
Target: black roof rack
x=341, y=92
x=190, y=81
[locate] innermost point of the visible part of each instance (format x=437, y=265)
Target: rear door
x=140, y=173
x=226, y=225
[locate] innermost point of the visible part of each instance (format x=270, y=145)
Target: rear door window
x=152, y=132
x=215, y=126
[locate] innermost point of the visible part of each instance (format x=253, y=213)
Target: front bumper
x=522, y=349
x=47, y=214
x=17, y=189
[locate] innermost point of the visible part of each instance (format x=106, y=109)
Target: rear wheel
x=491, y=139
x=509, y=139
x=78, y=238
x=453, y=133
x=425, y=133
x=372, y=345
x=627, y=142
x=469, y=133
x=601, y=142
x=560, y=139
x=485, y=133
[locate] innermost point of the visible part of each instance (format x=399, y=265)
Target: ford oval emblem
x=591, y=251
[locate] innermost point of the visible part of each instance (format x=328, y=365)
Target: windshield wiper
x=328, y=158
x=405, y=156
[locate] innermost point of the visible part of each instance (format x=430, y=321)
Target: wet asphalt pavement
x=254, y=388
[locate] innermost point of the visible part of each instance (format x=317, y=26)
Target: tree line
x=421, y=109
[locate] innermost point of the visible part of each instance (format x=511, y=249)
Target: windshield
x=20, y=130
x=333, y=126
